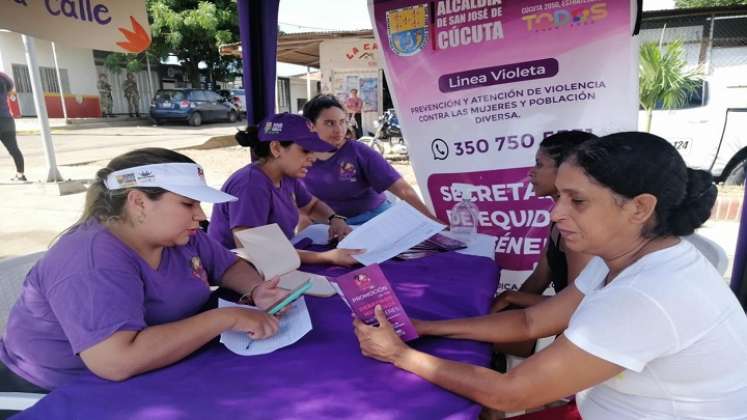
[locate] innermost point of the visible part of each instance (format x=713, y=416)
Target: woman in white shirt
x=649, y=329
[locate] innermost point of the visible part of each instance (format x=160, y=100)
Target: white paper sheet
x=481, y=245
x=396, y=230
x=318, y=233
x=294, y=324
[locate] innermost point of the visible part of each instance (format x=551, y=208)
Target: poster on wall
x=351, y=82
x=478, y=85
x=369, y=93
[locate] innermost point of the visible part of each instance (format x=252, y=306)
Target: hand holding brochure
x=273, y=255
x=367, y=287
x=390, y=233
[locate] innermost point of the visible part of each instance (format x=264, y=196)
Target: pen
x=290, y=298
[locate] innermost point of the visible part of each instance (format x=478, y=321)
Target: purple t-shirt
x=353, y=180
x=90, y=285
x=260, y=203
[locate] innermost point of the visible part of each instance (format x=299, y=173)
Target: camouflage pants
x=132, y=104
x=106, y=103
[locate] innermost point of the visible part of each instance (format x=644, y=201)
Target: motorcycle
x=388, y=137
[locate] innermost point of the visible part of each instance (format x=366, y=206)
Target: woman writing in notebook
x=352, y=177
x=270, y=190
x=120, y=292
x=649, y=328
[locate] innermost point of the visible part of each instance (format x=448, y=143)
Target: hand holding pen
x=283, y=303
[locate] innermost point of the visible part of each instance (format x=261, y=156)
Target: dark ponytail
x=696, y=207
x=634, y=163
x=250, y=138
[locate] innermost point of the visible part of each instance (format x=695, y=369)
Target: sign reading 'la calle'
x=107, y=25
x=81, y=10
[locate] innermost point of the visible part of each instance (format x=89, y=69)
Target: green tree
x=663, y=79
x=132, y=63
x=707, y=3
x=192, y=31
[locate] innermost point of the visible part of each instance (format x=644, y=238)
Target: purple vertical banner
x=738, y=284
x=258, y=26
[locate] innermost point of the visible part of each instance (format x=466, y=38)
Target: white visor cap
x=187, y=179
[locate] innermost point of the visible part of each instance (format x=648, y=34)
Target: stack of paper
x=396, y=230
x=273, y=255
x=433, y=245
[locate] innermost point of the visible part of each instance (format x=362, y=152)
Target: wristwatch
x=336, y=216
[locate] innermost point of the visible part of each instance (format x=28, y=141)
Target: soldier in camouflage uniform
x=105, y=95
x=132, y=95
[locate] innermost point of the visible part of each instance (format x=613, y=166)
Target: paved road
x=76, y=146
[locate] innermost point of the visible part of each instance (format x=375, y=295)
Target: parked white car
x=710, y=131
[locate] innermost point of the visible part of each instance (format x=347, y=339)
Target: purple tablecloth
x=321, y=376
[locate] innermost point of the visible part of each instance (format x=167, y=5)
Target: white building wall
x=353, y=63
x=78, y=62
x=658, y=4
x=77, y=70
x=298, y=91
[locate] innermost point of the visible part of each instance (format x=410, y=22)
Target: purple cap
x=291, y=127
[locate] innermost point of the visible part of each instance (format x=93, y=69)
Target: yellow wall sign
x=108, y=25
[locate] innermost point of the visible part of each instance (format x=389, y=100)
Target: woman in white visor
x=120, y=291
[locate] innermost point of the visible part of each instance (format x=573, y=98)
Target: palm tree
x=663, y=78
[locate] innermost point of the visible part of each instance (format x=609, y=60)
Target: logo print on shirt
x=199, y=271
x=348, y=172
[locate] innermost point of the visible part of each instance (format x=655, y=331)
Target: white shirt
x=677, y=329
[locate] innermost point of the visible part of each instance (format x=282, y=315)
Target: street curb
x=86, y=125
x=216, y=142
x=727, y=208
